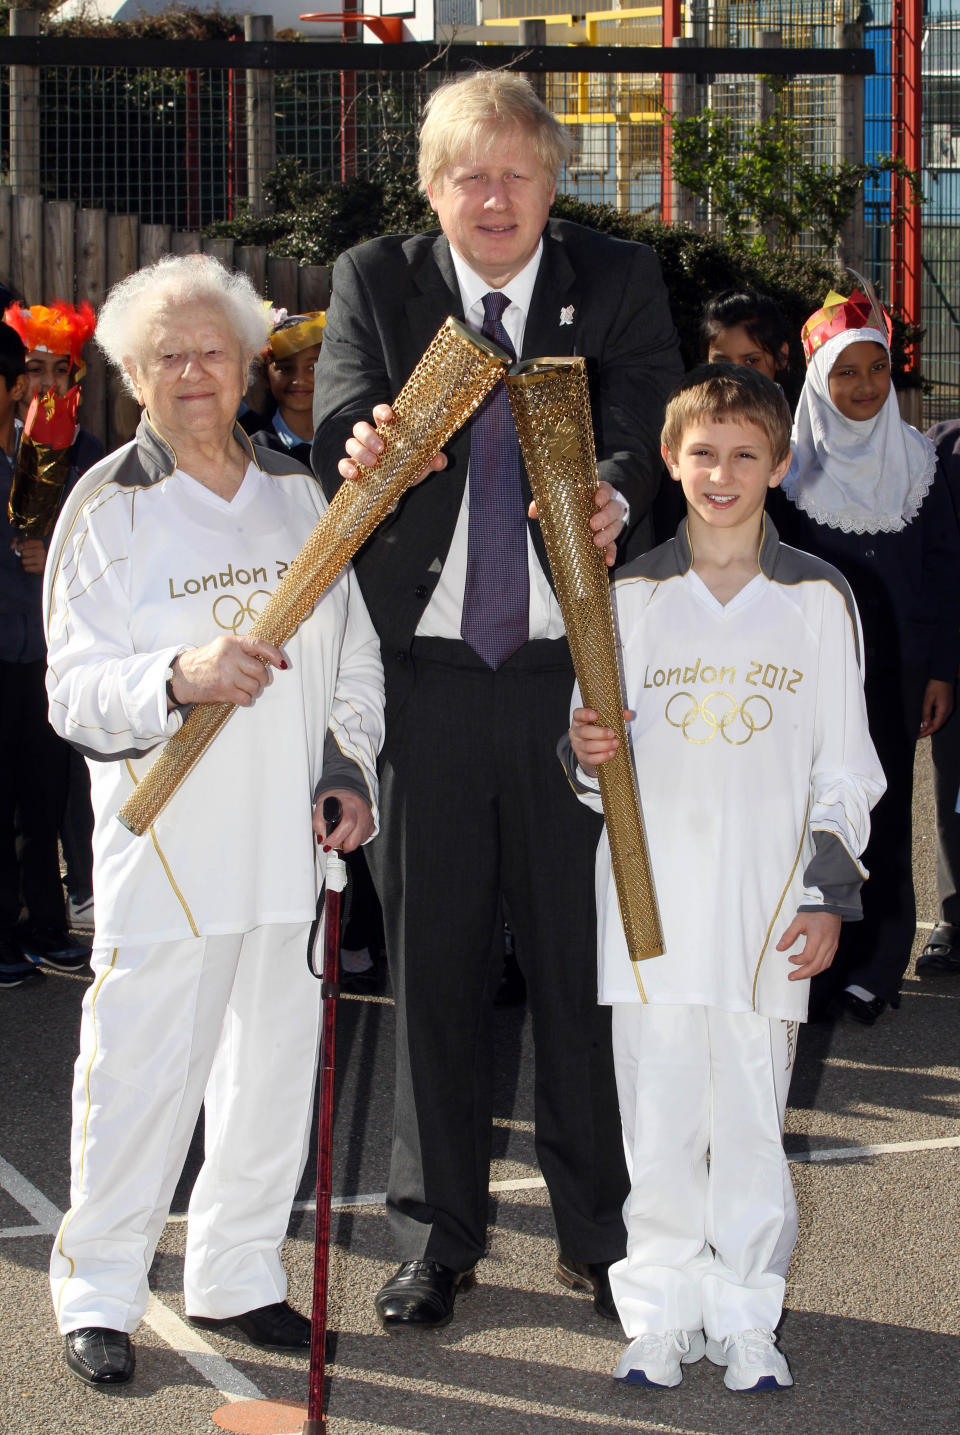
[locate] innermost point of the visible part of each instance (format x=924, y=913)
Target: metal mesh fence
x=171, y=145
x=941, y=213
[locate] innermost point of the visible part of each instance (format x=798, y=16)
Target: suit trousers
x=232, y=1022
x=708, y=1243
x=479, y=824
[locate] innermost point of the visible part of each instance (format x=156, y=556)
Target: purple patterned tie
x=496, y=598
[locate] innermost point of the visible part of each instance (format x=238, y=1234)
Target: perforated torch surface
x=453, y=377
x=551, y=407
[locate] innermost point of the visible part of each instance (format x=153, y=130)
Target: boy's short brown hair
x=728, y=391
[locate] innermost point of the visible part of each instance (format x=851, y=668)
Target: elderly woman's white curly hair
x=174, y=282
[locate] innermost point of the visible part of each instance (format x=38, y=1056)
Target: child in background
x=743, y=326
x=288, y=362
x=54, y=336
x=738, y=326
x=33, y=770
x=865, y=493
x=740, y=659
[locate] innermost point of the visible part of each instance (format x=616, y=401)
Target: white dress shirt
x=442, y=615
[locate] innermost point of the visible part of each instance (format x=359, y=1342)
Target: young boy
x=757, y=774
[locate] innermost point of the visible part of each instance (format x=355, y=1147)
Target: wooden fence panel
x=221, y=249
x=91, y=259
x=26, y=260
x=154, y=243
x=59, y=261
x=123, y=236
x=282, y=288
x=314, y=282
x=185, y=242
x=6, y=211
x=251, y=259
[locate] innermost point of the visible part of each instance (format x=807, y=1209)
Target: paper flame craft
x=43, y=462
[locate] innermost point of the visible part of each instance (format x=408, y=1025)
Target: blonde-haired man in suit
x=478, y=672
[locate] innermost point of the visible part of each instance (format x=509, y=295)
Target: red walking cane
x=336, y=880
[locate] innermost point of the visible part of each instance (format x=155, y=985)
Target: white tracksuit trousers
x=708, y=1243
x=229, y=1022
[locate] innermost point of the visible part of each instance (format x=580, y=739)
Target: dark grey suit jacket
x=391, y=295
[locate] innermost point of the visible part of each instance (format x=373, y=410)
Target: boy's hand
x=32, y=553
x=822, y=931
x=365, y=447
x=937, y=706
x=607, y=522
x=592, y=744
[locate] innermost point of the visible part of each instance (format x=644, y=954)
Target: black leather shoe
x=861, y=1010
x=589, y=1276
x=420, y=1295
x=99, y=1356
x=942, y=952
x=272, y=1327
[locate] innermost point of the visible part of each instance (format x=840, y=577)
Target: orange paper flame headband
x=60, y=329
x=839, y=314
x=298, y=332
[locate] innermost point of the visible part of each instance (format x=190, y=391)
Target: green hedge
x=314, y=222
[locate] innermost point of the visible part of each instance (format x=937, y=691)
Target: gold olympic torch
x=551, y=408
x=454, y=376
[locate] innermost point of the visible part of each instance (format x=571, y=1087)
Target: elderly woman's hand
x=356, y=820
x=366, y=446
x=228, y=670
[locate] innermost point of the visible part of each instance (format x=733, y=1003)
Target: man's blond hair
x=464, y=117
x=721, y=392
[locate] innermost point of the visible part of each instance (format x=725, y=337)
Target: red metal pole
x=672, y=29
x=906, y=37
x=348, y=101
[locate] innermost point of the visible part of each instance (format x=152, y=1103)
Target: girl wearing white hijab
x=864, y=492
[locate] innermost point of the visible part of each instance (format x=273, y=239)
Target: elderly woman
x=163, y=557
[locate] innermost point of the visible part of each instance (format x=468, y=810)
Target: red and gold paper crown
x=296, y=332
x=839, y=314
x=59, y=328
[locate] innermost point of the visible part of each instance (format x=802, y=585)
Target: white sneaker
x=80, y=915
x=655, y=1359
x=752, y=1359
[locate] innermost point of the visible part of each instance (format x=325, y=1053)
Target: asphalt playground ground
x=873, y=1304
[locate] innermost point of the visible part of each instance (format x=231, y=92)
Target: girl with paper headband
x=864, y=492
x=288, y=361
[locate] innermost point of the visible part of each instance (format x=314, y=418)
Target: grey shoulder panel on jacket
x=667, y=560
x=790, y=566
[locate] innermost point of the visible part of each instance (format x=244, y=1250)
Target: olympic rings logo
x=700, y=722
x=230, y=612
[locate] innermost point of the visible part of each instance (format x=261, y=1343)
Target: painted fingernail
x=326, y=847
x=283, y=664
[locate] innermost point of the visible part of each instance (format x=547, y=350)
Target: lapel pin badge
x=566, y=315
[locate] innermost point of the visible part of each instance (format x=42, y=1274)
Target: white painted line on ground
x=537, y=1183
x=887, y=1148
x=190, y=1345
x=183, y=1339
x=25, y=1194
